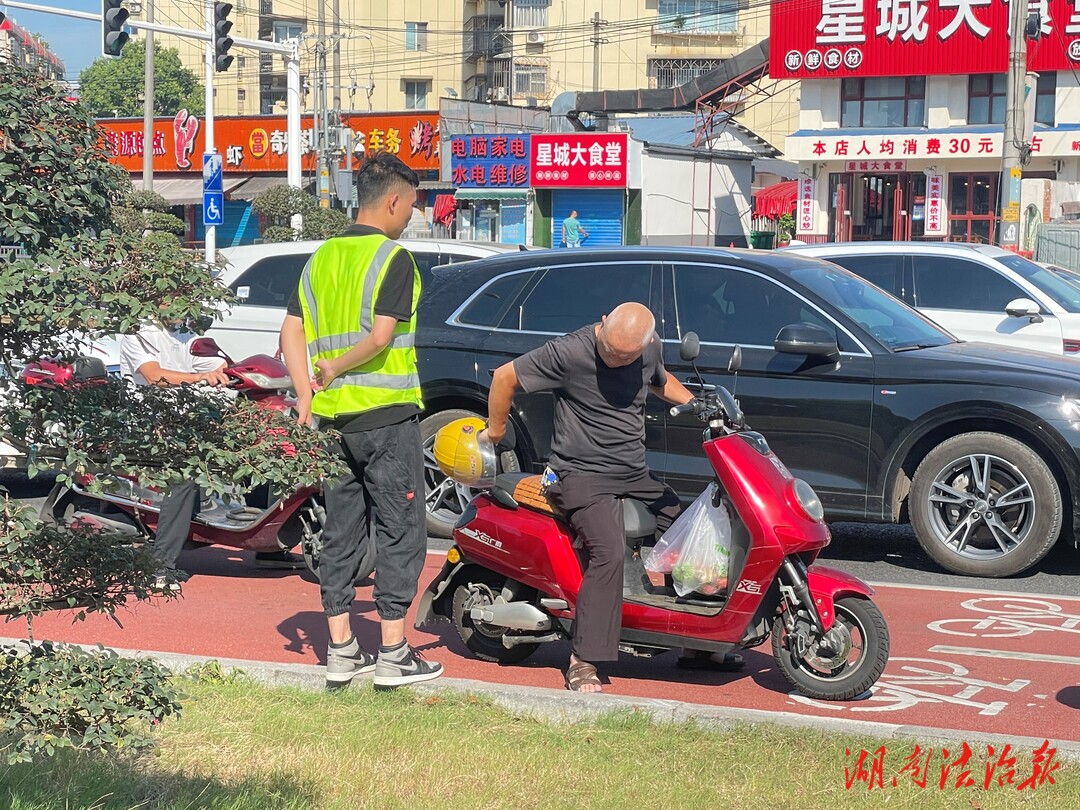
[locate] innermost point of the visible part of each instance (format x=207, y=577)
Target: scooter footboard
x=829, y=584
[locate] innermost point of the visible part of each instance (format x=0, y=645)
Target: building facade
x=19, y=47
x=901, y=121
x=406, y=55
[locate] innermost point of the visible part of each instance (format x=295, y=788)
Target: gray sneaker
x=344, y=664
x=401, y=668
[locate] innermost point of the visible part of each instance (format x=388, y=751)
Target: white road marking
x=980, y=591
x=1010, y=654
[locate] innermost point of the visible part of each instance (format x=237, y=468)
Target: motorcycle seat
x=525, y=489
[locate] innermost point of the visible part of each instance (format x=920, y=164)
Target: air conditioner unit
x=534, y=38
x=501, y=94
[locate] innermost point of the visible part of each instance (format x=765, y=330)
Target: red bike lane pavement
x=969, y=661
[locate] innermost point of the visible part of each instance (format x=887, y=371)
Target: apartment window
x=284, y=31
x=883, y=102
x=415, y=36
x=1046, y=98
x=531, y=13
x=986, y=99
x=665, y=73
x=241, y=63
x=530, y=80
x=416, y=93
x=697, y=16
x=241, y=95
x=973, y=200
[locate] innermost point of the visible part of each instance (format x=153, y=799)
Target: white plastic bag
x=696, y=549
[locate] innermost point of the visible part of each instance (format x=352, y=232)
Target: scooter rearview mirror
x=690, y=347
x=207, y=347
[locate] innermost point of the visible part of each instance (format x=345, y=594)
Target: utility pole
x=208, y=119
x=321, y=111
x=597, y=41
x=148, y=105
x=1014, y=151
x=337, y=57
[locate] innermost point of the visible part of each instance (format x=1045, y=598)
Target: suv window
x=489, y=303
x=568, y=298
x=425, y=261
x=885, y=271
x=272, y=281
x=725, y=305
x=943, y=282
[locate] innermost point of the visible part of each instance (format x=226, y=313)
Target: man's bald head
x=624, y=334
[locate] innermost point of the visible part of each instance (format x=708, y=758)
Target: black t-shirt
x=599, y=411
x=395, y=294
x=395, y=301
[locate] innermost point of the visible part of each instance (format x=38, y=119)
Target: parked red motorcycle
x=511, y=580
x=252, y=521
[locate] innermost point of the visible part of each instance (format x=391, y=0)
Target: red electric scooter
x=254, y=521
x=511, y=580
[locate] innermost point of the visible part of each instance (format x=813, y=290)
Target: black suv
x=886, y=415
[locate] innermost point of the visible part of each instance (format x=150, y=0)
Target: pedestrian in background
x=573, y=232
x=366, y=386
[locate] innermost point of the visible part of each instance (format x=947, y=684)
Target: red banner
x=258, y=143
x=821, y=39
x=578, y=160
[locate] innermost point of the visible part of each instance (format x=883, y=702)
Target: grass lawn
x=240, y=746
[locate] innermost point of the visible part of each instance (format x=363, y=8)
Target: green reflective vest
x=338, y=290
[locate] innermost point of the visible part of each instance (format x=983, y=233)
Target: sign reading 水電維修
x=490, y=161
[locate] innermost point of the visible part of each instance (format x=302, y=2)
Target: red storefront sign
x=259, y=143
x=578, y=160
x=821, y=39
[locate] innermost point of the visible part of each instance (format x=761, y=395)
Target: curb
x=560, y=706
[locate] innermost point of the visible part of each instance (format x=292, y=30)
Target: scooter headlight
x=807, y=499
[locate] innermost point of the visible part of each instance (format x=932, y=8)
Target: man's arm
x=294, y=350
x=503, y=385
x=156, y=375
x=672, y=390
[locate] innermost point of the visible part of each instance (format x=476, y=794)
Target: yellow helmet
x=465, y=455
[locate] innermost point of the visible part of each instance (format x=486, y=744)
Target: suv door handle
x=694, y=385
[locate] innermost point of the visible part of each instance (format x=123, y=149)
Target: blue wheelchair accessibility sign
x=213, y=208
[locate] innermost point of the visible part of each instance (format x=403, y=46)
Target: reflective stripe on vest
x=338, y=290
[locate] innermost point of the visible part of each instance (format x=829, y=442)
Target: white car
x=977, y=292
x=264, y=277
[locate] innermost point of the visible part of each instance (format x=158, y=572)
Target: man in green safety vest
x=354, y=315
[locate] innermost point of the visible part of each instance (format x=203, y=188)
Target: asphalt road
x=886, y=554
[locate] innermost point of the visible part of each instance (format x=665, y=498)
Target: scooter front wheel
x=842, y=664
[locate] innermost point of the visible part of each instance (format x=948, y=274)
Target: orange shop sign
x=259, y=143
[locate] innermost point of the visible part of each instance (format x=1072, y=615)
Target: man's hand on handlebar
x=694, y=406
x=215, y=378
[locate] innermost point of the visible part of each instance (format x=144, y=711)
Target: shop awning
x=254, y=186
x=184, y=190
x=491, y=194
x=776, y=200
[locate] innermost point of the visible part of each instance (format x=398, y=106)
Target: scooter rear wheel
x=484, y=640
x=844, y=664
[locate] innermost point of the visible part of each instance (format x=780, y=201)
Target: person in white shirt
x=156, y=355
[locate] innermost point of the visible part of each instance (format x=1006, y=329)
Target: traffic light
x=222, y=40
x=113, y=35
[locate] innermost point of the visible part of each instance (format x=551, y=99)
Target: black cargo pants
x=380, y=500
x=592, y=505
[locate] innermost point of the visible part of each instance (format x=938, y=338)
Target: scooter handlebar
x=694, y=406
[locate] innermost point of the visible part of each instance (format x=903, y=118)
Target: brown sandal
x=580, y=674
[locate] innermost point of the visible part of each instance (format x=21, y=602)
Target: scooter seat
x=527, y=491
x=638, y=521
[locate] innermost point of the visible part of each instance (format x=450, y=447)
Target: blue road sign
x=211, y=172
x=213, y=208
